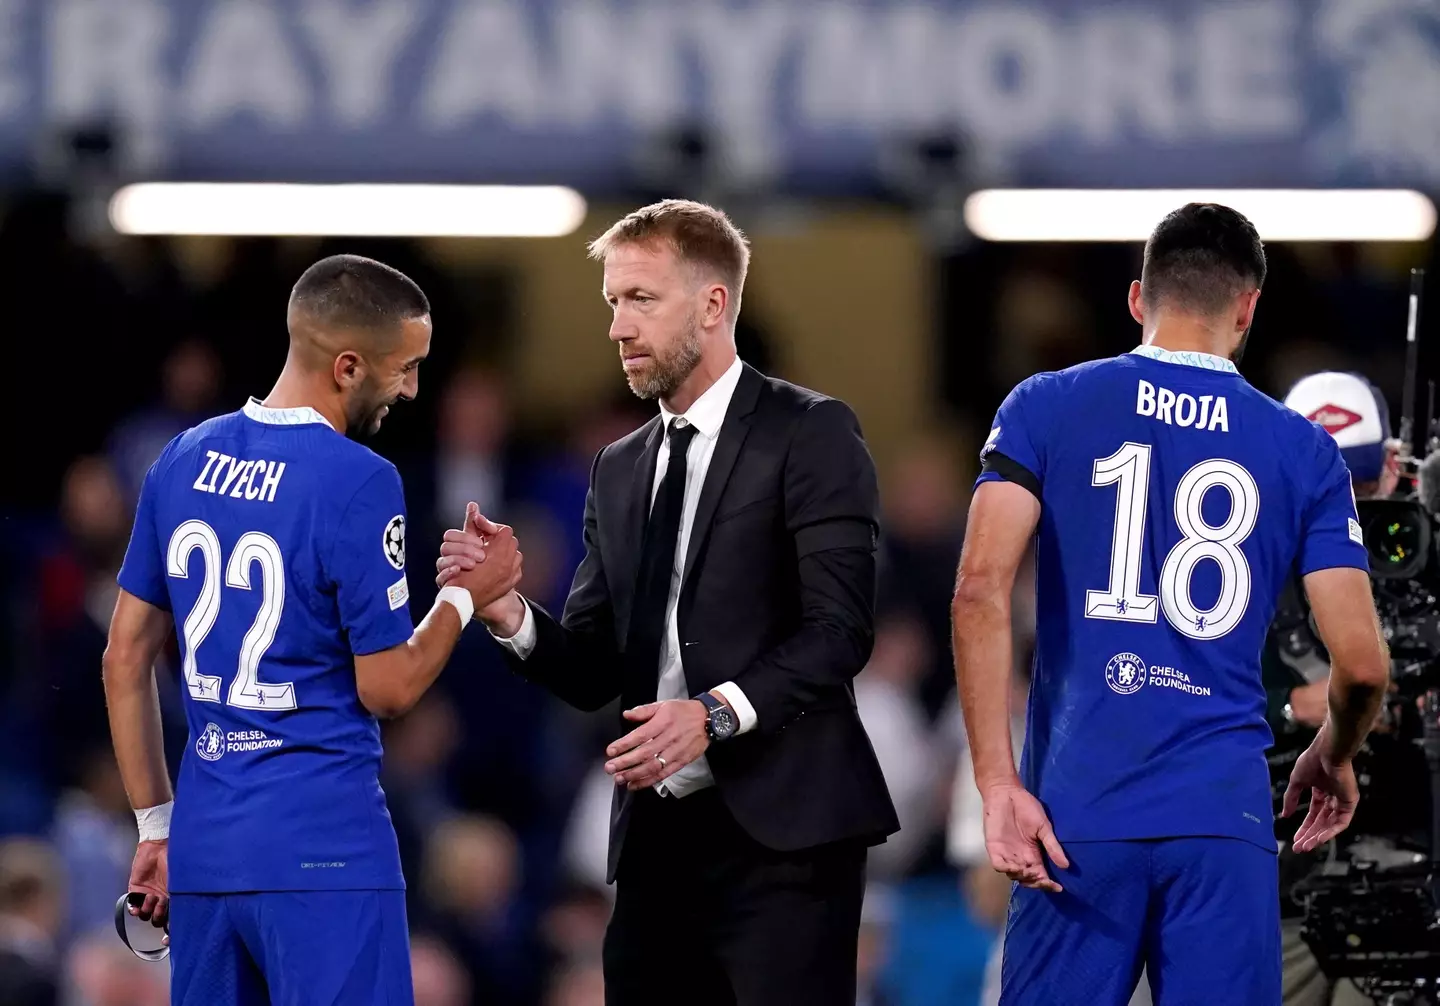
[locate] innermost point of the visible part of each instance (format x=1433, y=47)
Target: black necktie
x=657, y=564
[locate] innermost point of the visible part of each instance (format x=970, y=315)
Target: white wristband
x=154, y=822
x=459, y=598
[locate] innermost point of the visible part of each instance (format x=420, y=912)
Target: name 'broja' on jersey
x=1175, y=502
x=279, y=545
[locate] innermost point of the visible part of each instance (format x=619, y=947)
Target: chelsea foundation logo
x=1125, y=673
x=210, y=745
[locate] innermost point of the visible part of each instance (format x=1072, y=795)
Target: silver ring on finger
x=661, y=760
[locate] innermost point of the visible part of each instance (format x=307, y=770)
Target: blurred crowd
x=496, y=790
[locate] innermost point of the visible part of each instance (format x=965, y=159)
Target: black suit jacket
x=778, y=596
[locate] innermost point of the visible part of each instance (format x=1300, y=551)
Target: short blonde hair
x=700, y=235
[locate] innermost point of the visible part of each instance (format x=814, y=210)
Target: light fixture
x=1131, y=214
x=349, y=210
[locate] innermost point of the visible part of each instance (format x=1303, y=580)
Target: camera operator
x=1295, y=669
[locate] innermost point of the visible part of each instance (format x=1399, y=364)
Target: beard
x=371, y=425
x=364, y=415
x=662, y=376
x=1240, y=349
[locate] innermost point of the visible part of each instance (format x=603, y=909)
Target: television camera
x=1372, y=902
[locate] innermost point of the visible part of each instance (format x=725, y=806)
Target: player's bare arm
x=138, y=630
x=392, y=681
x=1002, y=520
x=1344, y=613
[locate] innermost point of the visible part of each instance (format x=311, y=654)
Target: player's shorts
x=1202, y=915
x=290, y=948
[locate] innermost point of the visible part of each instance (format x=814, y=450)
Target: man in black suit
x=726, y=597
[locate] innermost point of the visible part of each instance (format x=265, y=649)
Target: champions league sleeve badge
x=394, y=541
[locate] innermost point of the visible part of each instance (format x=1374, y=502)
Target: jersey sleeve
x=1014, y=451
x=367, y=566
x=143, y=571
x=1331, y=535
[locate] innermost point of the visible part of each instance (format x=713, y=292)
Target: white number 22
x=246, y=691
x=1122, y=600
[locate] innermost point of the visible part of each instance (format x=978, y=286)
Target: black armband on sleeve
x=1012, y=471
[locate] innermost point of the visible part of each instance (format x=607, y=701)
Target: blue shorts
x=290, y=948
x=1202, y=915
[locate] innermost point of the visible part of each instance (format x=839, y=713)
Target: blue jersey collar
x=1205, y=361
x=300, y=416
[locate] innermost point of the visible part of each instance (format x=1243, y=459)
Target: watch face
x=723, y=723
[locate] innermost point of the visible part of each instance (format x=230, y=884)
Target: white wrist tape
x=154, y=822
x=459, y=598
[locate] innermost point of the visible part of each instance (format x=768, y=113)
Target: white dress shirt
x=706, y=415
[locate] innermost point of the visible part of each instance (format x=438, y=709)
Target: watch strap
x=712, y=705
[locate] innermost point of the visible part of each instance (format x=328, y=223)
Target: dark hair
x=355, y=293
x=1200, y=257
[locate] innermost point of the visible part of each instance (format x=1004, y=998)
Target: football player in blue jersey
x=1169, y=501
x=278, y=543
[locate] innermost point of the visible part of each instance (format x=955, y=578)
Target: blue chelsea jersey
x=279, y=545
x=1175, y=502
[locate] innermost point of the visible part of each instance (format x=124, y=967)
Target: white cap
x=1351, y=410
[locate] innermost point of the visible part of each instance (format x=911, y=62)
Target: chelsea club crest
x=210, y=745
x=1125, y=673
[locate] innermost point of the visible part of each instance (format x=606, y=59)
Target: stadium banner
x=812, y=95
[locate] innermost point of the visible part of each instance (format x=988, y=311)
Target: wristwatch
x=720, y=722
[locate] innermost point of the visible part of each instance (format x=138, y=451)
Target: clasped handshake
x=485, y=558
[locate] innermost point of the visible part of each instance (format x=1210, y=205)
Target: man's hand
x=150, y=876
x=486, y=560
x=1334, y=795
x=1016, y=827
x=671, y=735
x=1309, y=703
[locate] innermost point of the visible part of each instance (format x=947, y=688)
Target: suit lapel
x=637, y=511
x=722, y=462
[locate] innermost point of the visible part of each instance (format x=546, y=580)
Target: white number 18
x=1129, y=467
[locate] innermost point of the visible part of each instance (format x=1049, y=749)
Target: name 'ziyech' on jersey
x=279, y=545
x=1175, y=502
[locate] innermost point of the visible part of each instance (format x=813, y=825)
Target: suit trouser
x=706, y=916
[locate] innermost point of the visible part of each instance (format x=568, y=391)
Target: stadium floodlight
x=1131, y=214
x=348, y=210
